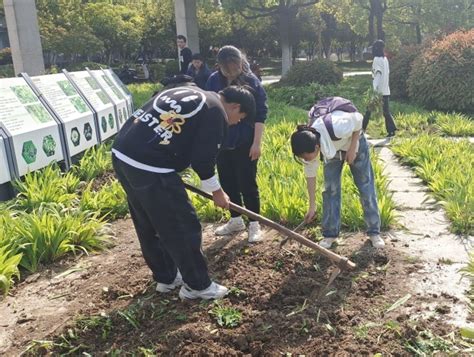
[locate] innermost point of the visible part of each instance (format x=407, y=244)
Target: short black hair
x=243, y=95
x=182, y=37
x=304, y=140
x=377, y=48
x=197, y=56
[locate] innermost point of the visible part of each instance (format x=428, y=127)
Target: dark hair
x=181, y=37
x=243, y=95
x=176, y=81
x=304, y=140
x=197, y=56
x=231, y=54
x=377, y=48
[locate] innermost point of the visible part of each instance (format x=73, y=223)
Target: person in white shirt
x=308, y=142
x=380, y=74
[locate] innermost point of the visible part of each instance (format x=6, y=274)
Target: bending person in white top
x=308, y=142
x=380, y=74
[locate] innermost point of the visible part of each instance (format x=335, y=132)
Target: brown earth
x=106, y=303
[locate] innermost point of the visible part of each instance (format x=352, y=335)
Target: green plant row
x=410, y=119
x=282, y=184
x=447, y=166
x=56, y=214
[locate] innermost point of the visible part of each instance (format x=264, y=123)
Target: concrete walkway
x=425, y=237
x=272, y=79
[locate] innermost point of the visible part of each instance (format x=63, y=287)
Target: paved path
x=425, y=237
x=276, y=78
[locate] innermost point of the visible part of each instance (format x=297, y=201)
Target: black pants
x=166, y=224
x=238, y=177
x=389, y=122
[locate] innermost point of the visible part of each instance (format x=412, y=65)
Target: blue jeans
x=363, y=175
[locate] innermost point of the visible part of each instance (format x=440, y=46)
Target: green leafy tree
x=284, y=11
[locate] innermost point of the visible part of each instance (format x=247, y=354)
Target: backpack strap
x=327, y=120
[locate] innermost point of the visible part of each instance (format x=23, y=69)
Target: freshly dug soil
x=106, y=303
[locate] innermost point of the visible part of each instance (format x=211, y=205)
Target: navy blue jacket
x=201, y=77
x=241, y=134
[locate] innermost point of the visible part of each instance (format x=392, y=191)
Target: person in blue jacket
x=199, y=71
x=238, y=157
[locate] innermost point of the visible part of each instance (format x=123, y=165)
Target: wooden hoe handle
x=342, y=262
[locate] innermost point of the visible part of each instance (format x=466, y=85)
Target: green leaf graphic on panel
x=75, y=136
x=49, y=145
x=92, y=82
x=67, y=88
x=29, y=152
x=24, y=94
x=103, y=97
x=87, y=131
x=38, y=113
x=107, y=80
x=117, y=92
x=120, y=116
x=79, y=104
x=111, y=121
x=103, y=123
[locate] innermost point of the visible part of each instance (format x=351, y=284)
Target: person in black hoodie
x=199, y=71
x=177, y=128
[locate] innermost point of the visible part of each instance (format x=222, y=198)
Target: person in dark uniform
x=177, y=128
x=185, y=54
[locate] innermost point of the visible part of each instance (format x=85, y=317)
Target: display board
x=35, y=133
x=99, y=100
x=123, y=88
x=115, y=94
x=4, y=169
x=73, y=111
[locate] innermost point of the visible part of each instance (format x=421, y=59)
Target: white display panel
x=35, y=133
x=116, y=94
x=76, y=115
x=119, y=84
x=4, y=170
x=99, y=101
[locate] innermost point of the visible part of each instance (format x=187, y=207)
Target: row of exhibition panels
x=53, y=118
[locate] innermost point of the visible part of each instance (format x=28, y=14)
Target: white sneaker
x=255, y=235
x=327, y=242
x=235, y=224
x=214, y=291
x=377, y=241
x=166, y=288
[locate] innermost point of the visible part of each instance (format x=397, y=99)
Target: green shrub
x=157, y=71
x=50, y=233
x=5, y=56
x=110, y=202
x=142, y=92
x=7, y=71
x=8, y=268
x=353, y=88
x=442, y=76
x=82, y=65
x=44, y=187
x=95, y=162
x=171, y=68
x=318, y=71
x=400, y=67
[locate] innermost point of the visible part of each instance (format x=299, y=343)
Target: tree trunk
x=286, y=50
x=371, y=37
x=378, y=10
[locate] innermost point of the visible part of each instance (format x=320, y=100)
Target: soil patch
x=106, y=303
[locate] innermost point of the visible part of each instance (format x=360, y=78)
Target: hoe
x=340, y=263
